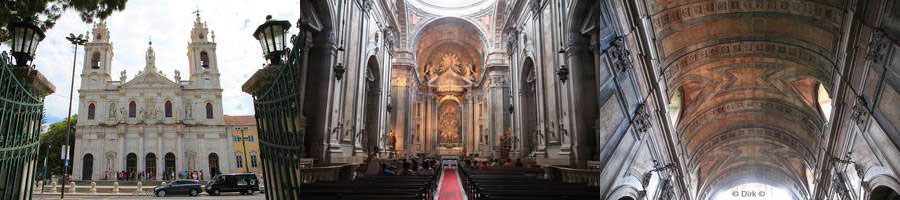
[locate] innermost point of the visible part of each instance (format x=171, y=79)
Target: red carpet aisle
x=450, y=188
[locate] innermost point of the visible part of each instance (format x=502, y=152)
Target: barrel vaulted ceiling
x=748, y=71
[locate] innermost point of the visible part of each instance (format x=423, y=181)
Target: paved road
x=224, y=196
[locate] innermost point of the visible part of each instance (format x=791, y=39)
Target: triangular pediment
x=150, y=79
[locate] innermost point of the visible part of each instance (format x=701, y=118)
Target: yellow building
x=245, y=143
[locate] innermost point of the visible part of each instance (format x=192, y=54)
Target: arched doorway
x=884, y=193
x=529, y=107
x=626, y=198
x=213, y=164
x=130, y=165
x=373, y=91
x=88, y=167
x=170, y=166
x=150, y=166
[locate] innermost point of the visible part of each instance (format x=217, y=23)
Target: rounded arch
x=169, y=166
x=449, y=35
x=881, y=180
x=150, y=166
x=91, y=111
x=528, y=108
x=372, y=100
x=131, y=165
x=168, y=108
x=204, y=59
x=757, y=175
x=884, y=193
x=624, y=192
x=95, y=60
x=132, y=109
x=213, y=164
x=87, y=167
x=209, y=111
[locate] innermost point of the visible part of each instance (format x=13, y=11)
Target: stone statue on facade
x=112, y=112
x=188, y=110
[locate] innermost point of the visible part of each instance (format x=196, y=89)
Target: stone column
x=497, y=109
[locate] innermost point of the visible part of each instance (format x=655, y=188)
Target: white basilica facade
x=150, y=124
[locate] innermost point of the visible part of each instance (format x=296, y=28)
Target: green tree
x=44, y=13
x=51, y=146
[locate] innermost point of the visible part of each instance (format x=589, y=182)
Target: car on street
x=178, y=187
x=245, y=183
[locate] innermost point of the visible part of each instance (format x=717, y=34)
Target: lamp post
x=244, y=145
x=271, y=36
x=24, y=39
x=76, y=40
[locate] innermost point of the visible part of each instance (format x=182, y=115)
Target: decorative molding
x=860, y=111
x=536, y=5
x=878, y=47
x=620, y=55
x=642, y=119
x=798, y=54
x=678, y=15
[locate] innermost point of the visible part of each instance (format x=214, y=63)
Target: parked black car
x=243, y=183
x=189, y=187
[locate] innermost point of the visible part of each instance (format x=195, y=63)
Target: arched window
x=132, y=109
x=209, y=111
x=204, y=59
x=253, y=159
x=824, y=100
x=675, y=104
x=91, y=111
x=95, y=60
x=168, y=109
x=239, y=159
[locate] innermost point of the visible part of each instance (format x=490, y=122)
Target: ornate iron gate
x=21, y=111
x=280, y=123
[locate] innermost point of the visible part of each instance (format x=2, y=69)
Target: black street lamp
x=272, y=39
x=24, y=39
x=76, y=41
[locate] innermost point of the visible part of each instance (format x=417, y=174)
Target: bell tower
x=98, y=55
x=204, y=70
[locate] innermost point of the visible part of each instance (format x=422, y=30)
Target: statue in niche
x=112, y=111
x=188, y=110
x=191, y=158
x=110, y=159
x=123, y=112
x=392, y=140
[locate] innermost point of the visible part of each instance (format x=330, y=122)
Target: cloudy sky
x=168, y=24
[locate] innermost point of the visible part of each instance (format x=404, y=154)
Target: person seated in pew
x=519, y=163
x=485, y=166
x=508, y=163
